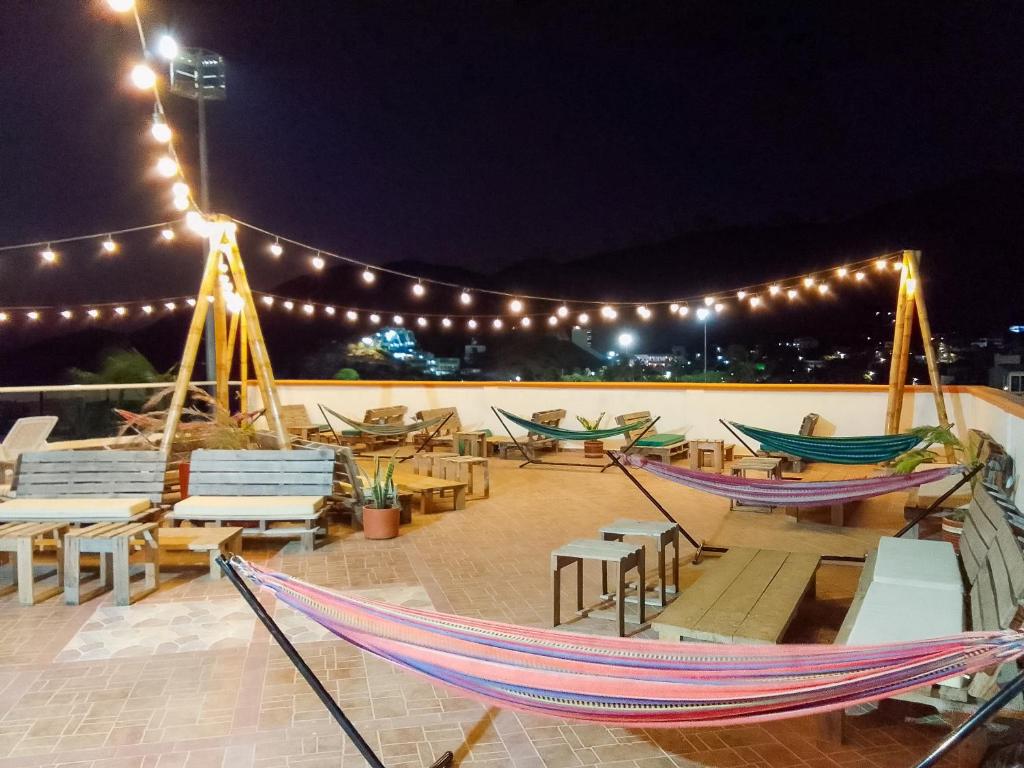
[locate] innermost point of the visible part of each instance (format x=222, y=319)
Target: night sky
x=478, y=134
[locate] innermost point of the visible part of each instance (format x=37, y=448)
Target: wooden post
x=221, y=342
x=914, y=264
x=192, y=341
x=904, y=359
x=899, y=348
x=243, y=365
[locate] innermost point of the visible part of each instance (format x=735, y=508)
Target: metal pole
x=204, y=203
x=430, y=438
x=935, y=504
x=724, y=424
x=985, y=711
x=300, y=664
x=705, y=350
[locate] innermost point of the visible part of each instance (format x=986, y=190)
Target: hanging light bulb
x=169, y=306
x=842, y=272
x=166, y=167
x=109, y=245
x=584, y=318
x=808, y=282
x=197, y=223
x=268, y=300
x=552, y=320
x=289, y=305
x=121, y=6
x=120, y=311
x=446, y=322
x=609, y=312
x=755, y=302
x=93, y=313
x=33, y=315
x=351, y=316
x=774, y=290
x=897, y=266
x=67, y=314
x=684, y=310
x=858, y=276
x=643, y=312
x=822, y=288
x=160, y=130
x=307, y=308
x=329, y=311
x=275, y=248
x=398, y=320
x=880, y=264
x=181, y=203
x=317, y=262
x=375, y=319
x=421, y=322
x=562, y=311
x=465, y=298
x=147, y=309
x=673, y=308
x=515, y=306
x=525, y=322
x=471, y=324
x=143, y=77
x=709, y=301
x=167, y=234
x=741, y=295
x=791, y=294
x=3, y=317
x=418, y=290
x=719, y=307
x=48, y=255
x=368, y=276
x=179, y=189
x=497, y=323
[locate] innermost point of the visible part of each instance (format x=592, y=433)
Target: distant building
x=656, y=361
x=582, y=338
x=444, y=366
x=473, y=350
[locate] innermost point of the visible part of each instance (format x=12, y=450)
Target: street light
x=198, y=74
x=703, y=314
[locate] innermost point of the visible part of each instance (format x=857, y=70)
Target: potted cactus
x=381, y=514
x=592, y=449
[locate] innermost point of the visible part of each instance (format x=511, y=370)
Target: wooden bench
x=445, y=432
x=461, y=468
x=748, y=596
x=663, y=446
x=113, y=542
x=87, y=486
x=791, y=462
x=21, y=540
x=297, y=422
x=719, y=451
x=212, y=541
x=428, y=487
x=284, y=492
x=391, y=414
x=626, y=556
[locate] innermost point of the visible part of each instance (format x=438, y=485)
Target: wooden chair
x=663, y=446
x=795, y=463
x=284, y=492
x=445, y=434
x=392, y=414
x=297, y=422
x=27, y=434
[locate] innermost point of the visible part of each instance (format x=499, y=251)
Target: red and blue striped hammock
x=787, y=493
x=635, y=682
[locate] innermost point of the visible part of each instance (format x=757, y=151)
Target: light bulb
x=67, y=314
x=268, y=300
x=860, y=276
x=398, y=320
x=897, y=266
x=609, y=313
x=289, y=305
x=643, y=312
x=880, y=264
x=823, y=288
x=307, y=308
x=584, y=318
x=774, y=290
x=525, y=322
x=418, y=289
x=120, y=311
x=741, y=295
x=375, y=319
x=329, y=311
x=552, y=320
x=515, y=306
x=317, y=262
x=179, y=189
x=143, y=77
x=421, y=322
x=109, y=245
x=842, y=272
x=684, y=310
x=755, y=301
x=167, y=47
x=562, y=311
x=121, y=6
x=3, y=317
x=48, y=255
x=160, y=131
x=351, y=316
x=465, y=298
x=276, y=249
x=808, y=282
x=471, y=324
x=169, y=306
x=167, y=234
x=719, y=307
x=33, y=315
x=147, y=309
x=497, y=323
x=791, y=294
x=166, y=167
x=197, y=223
x=709, y=300
x=181, y=203
x=702, y=313
x=368, y=276
x=93, y=313
x=446, y=322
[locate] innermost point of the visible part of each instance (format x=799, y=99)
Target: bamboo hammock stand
x=910, y=302
x=243, y=329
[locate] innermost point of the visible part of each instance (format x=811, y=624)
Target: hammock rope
x=387, y=430
x=787, y=493
x=558, y=433
x=865, y=449
x=633, y=682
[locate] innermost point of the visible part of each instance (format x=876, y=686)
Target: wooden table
x=22, y=539
x=213, y=541
x=461, y=468
x=748, y=596
x=772, y=468
x=662, y=534
x=720, y=453
x=471, y=443
x=625, y=556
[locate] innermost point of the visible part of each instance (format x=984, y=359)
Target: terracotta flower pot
x=380, y=523
x=951, y=531
x=593, y=449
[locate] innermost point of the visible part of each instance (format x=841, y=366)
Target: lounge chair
x=27, y=434
x=664, y=446
x=297, y=422
x=445, y=435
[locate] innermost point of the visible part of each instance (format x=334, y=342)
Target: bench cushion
x=917, y=563
x=99, y=510
x=248, y=507
x=661, y=440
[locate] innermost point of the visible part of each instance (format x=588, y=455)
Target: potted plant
x=592, y=449
x=381, y=515
x=953, y=527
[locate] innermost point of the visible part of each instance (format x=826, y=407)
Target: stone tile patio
x=187, y=679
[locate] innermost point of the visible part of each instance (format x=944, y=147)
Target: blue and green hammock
x=559, y=433
x=865, y=449
x=387, y=430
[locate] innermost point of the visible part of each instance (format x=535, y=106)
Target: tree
x=121, y=366
x=347, y=374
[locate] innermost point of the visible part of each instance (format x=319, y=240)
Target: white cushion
x=917, y=563
x=248, y=507
x=98, y=509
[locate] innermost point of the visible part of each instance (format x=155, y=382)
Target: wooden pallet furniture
x=282, y=491
x=790, y=462
x=626, y=557
x=716, y=450
x=296, y=421
x=113, y=542
x=771, y=467
x=430, y=464
x=662, y=535
x=431, y=488
x=913, y=590
x=212, y=541
x=87, y=486
x=21, y=540
x=391, y=414
x=663, y=446
x=463, y=469
x=427, y=439
x=748, y=596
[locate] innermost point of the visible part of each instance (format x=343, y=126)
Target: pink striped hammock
x=787, y=493
x=632, y=682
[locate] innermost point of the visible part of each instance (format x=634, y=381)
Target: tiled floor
x=187, y=678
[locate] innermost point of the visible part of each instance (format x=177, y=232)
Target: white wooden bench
x=283, y=492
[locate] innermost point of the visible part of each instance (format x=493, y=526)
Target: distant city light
x=626, y=340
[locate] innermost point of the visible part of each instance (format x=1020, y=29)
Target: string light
x=471, y=324
x=880, y=264
x=719, y=307
x=703, y=313
x=93, y=313
x=552, y=320
x=67, y=314
x=317, y=262
x=609, y=312
x=192, y=302
x=181, y=203
x=197, y=223
x=709, y=301
x=496, y=322
x=109, y=245
x=741, y=295
x=33, y=315
x=398, y=320
x=275, y=249
x=48, y=255
x=268, y=300
x=160, y=130
x=584, y=318
x=329, y=311
x=143, y=77
x=167, y=234
x=808, y=282
x=774, y=290
x=515, y=306
x=169, y=306
x=179, y=189
x=683, y=311
x=147, y=309
x=525, y=322
x=791, y=294
x=351, y=316
x=307, y=308
x=562, y=311
x=167, y=47
x=166, y=167
x=375, y=319
x=421, y=322
x=643, y=312
x=755, y=302
x=120, y=311
x=446, y=322
x=289, y=305
x=842, y=272
x=823, y=288
x=897, y=266
x=859, y=276
x=3, y=317
x=121, y=6
x=673, y=308
x=465, y=298
x=418, y=290
x=368, y=276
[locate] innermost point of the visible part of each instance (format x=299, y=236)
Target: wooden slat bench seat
x=21, y=540
x=663, y=446
x=113, y=542
x=284, y=492
x=748, y=596
x=445, y=432
x=430, y=487
x=211, y=540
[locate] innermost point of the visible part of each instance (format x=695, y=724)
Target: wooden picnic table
x=748, y=596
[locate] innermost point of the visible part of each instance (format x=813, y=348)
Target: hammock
x=866, y=449
x=631, y=682
x=788, y=493
x=387, y=430
x=557, y=433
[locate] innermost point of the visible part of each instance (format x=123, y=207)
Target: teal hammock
x=387, y=430
x=866, y=449
x=557, y=433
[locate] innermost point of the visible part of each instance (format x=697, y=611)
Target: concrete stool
x=21, y=539
x=626, y=556
x=113, y=543
x=461, y=468
x=664, y=534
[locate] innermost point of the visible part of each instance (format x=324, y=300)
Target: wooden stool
x=112, y=542
x=430, y=464
x=772, y=468
x=471, y=443
x=21, y=539
x=625, y=555
x=461, y=468
x=663, y=534
x=212, y=540
x=720, y=453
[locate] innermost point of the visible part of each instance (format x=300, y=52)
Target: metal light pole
x=198, y=74
x=703, y=315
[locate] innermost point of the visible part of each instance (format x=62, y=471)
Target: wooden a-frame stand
x=909, y=302
x=244, y=327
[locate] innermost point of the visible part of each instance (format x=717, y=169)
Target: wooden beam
x=221, y=342
x=908, y=335
x=243, y=365
x=899, y=348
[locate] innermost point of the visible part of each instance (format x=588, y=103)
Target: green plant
x=909, y=461
x=347, y=374
x=589, y=425
x=382, y=486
